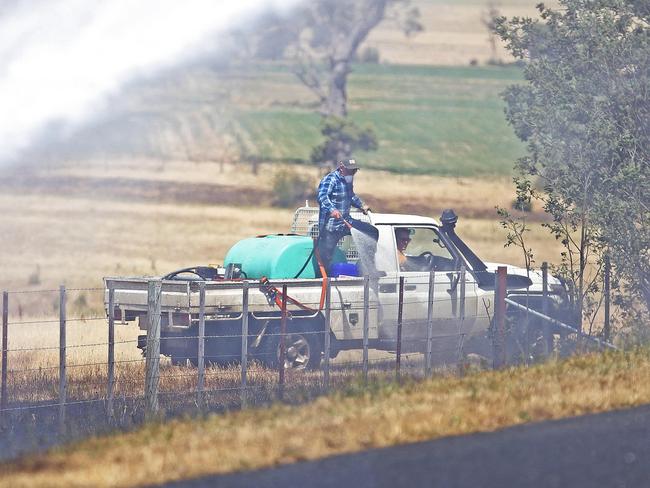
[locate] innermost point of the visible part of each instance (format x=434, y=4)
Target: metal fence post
x=244, y=344
x=461, y=278
x=606, y=290
x=428, y=358
x=499, y=317
x=283, y=348
x=366, y=317
x=152, y=362
x=5, y=334
x=548, y=331
x=200, y=352
x=462, y=275
x=400, y=309
x=62, y=351
x=110, y=389
x=326, y=342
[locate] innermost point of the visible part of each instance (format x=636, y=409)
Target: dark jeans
x=327, y=244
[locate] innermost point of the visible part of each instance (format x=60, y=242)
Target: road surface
x=605, y=450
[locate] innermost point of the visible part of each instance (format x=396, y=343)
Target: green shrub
x=369, y=55
x=291, y=188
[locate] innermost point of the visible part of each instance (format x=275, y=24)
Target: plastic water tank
x=277, y=257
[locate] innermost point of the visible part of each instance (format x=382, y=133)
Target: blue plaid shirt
x=335, y=193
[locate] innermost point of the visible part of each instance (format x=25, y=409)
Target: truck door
x=417, y=250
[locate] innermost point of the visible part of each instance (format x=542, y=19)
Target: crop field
x=435, y=120
x=428, y=120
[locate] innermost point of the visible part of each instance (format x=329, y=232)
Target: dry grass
x=453, y=35
x=78, y=240
x=341, y=424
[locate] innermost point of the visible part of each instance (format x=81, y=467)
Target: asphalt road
x=604, y=450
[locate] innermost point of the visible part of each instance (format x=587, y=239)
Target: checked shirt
x=335, y=193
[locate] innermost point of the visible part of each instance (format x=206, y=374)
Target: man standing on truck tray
x=335, y=197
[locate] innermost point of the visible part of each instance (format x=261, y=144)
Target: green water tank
x=277, y=257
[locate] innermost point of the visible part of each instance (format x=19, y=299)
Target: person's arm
x=357, y=202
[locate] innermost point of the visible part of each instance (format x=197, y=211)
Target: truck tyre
x=303, y=349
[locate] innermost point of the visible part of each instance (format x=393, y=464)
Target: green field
x=435, y=120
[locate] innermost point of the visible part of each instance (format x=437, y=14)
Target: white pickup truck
x=462, y=301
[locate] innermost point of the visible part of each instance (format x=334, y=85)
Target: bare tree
x=321, y=39
x=327, y=40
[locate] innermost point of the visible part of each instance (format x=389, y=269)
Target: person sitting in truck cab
x=403, y=238
x=427, y=251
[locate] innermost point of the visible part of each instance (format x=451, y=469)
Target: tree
x=328, y=38
x=584, y=114
x=321, y=39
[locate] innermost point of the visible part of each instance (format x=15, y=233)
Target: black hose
x=311, y=254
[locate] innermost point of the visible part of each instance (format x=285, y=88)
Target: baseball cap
x=349, y=164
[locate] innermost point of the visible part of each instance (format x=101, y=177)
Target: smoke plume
x=61, y=59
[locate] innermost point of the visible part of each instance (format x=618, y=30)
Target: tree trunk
x=335, y=105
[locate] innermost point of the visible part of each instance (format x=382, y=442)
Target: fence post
x=152, y=362
x=499, y=317
x=110, y=390
x=200, y=352
x=283, y=348
x=366, y=317
x=62, y=351
x=428, y=358
x=461, y=277
x=400, y=309
x=244, y=344
x=5, y=334
x=608, y=269
x=548, y=330
x=326, y=342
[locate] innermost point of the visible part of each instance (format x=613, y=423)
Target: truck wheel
x=303, y=349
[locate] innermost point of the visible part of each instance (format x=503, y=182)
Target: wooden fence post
x=499, y=317
x=283, y=345
x=326, y=342
x=428, y=358
x=200, y=351
x=366, y=331
x=62, y=354
x=244, y=345
x=400, y=309
x=110, y=389
x=5, y=335
x=152, y=362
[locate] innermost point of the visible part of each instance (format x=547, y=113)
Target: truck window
x=421, y=249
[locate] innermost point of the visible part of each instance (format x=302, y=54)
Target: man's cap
x=349, y=164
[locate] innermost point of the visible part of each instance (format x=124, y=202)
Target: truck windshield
x=421, y=249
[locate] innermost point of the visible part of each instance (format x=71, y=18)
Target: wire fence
x=168, y=348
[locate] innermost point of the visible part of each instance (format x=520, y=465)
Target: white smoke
x=59, y=59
